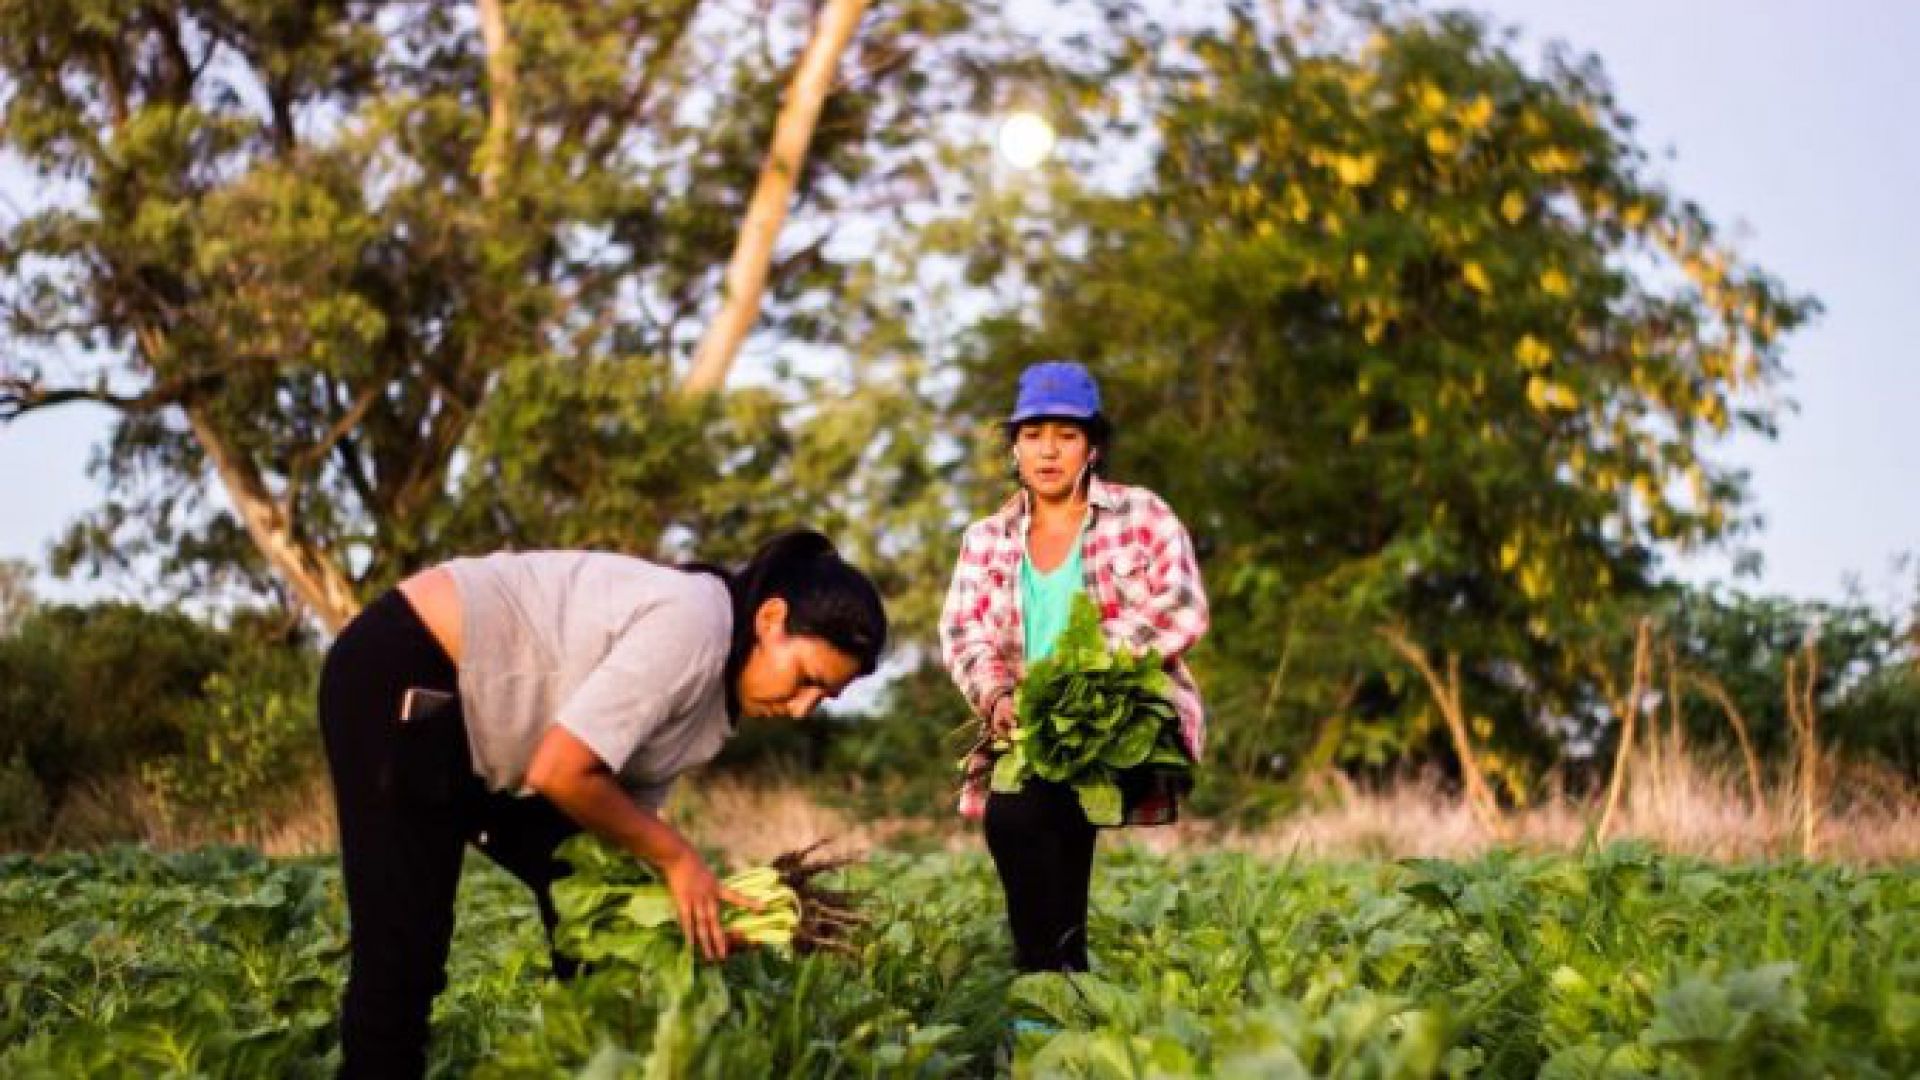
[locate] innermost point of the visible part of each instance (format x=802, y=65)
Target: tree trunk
x=752, y=254
x=315, y=578
x=502, y=83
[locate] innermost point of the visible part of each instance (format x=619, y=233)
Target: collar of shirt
x=1100, y=496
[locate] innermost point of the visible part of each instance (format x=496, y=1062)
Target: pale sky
x=1795, y=124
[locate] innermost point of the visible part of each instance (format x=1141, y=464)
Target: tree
x=1407, y=332
x=1737, y=648
x=301, y=248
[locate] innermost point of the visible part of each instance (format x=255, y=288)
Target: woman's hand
x=697, y=896
x=1003, y=719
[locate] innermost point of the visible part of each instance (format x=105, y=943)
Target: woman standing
x=512, y=700
x=1065, y=531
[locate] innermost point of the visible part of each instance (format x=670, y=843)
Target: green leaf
x=1010, y=772
x=1100, y=799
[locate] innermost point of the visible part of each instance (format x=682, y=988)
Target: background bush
x=215, y=718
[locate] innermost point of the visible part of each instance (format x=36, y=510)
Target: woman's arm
x=968, y=645
x=573, y=777
x=1170, y=613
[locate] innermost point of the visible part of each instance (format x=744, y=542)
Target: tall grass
x=1678, y=799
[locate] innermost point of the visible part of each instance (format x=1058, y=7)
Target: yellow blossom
x=1477, y=112
x=1545, y=394
x=1553, y=160
x=1356, y=170
x=1532, y=353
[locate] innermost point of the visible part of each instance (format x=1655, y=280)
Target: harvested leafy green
x=1088, y=713
x=614, y=907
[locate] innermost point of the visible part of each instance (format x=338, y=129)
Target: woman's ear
x=770, y=620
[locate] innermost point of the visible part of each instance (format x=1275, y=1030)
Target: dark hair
x=826, y=597
x=1098, y=429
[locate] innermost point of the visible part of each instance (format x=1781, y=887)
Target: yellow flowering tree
x=1431, y=363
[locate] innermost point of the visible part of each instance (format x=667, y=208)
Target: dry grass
x=753, y=822
x=123, y=810
x=1672, y=800
x=1416, y=820
x=1676, y=803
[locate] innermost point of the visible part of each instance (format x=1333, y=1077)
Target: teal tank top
x=1046, y=601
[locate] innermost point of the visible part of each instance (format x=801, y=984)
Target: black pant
x=409, y=803
x=1042, y=844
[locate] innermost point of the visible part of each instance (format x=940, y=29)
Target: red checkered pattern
x=1141, y=572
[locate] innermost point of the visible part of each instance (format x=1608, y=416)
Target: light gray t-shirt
x=629, y=656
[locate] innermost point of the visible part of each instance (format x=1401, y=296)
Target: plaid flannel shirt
x=1140, y=571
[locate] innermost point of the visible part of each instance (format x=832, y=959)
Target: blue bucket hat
x=1056, y=389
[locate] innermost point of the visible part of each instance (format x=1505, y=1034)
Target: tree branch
x=303, y=463
x=20, y=395
x=1627, y=709
x=1446, y=695
x=665, y=45
x=318, y=580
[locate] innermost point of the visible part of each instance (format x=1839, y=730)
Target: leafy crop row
x=1621, y=963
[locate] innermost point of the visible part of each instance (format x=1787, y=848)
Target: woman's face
x=789, y=675
x=1053, y=455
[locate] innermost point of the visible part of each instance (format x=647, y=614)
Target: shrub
x=248, y=735
x=214, y=720
x=23, y=803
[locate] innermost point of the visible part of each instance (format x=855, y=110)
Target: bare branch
x=666, y=44
x=1717, y=690
x=1447, y=697
x=1627, y=709
x=20, y=395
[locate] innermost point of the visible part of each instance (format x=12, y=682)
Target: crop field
x=1621, y=962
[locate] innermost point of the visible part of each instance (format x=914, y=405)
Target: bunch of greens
x=614, y=906
x=1089, y=713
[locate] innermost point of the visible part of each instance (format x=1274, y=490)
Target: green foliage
x=615, y=910
x=24, y=810
x=1087, y=714
x=245, y=741
x=90, y=692
x=216, y=720
x=1620, y=962
x=291, y=250
x=217, y=963
x=898, y=759
x=1867, y=683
